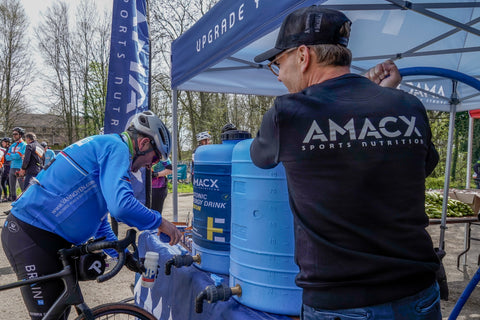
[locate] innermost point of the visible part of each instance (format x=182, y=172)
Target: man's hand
x=385, y=74
x=171, y=230
x=21, y=173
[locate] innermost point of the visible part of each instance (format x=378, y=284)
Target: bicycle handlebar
x=119, y=246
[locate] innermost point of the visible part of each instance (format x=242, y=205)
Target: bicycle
x=71, y=274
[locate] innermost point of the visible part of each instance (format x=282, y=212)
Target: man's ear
x=304, y=57
x=143, y=143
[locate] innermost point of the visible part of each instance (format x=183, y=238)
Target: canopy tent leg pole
x=446, y=184
x=175, y=154
x=448, y=164
x=469, y=153
x=467, y=186
x=441, y=274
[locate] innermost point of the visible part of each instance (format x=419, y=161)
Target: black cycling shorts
x=32, y=252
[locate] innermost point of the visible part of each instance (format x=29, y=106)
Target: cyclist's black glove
x=133, y=264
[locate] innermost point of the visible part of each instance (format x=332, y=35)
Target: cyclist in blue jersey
x=15, y=155
x=49, y=153
x=68, y=202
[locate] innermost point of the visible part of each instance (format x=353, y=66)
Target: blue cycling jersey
x=15, y=154
x=86, y=181
x=49, y=156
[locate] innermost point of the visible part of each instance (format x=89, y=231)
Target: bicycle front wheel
x=119, y=311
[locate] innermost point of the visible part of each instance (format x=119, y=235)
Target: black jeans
x=158, y=198
x=12, y=181
x=4, y=183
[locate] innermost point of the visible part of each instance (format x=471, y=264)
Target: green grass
x=438, y=183
x=182, y=187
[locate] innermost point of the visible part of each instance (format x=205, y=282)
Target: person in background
x=3, y=151
x=49, y=153
x=5, y=144
x=476, y=173
x=33, y=159
x=71, y=198
x=356, y=155
x=15, y=155
x=160, y=171
x=229, y=127
x=203, y=138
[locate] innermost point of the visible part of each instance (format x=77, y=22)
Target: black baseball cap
x=308, y=26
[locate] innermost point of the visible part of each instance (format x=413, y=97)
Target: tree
x=15, y=63
x=197, y=111
x=91, y=55
x=76, y=55
x=55, y=44
x=168, y=20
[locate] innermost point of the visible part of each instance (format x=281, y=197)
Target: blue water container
x=262, y=243
x=212, y=202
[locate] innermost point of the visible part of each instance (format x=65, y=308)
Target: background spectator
x=3, y=151
x=203, y=138
x=15, y=155
x=160, y=171
x=49, y=153
x=33, y=159
x=5, y=143
x=476, y=174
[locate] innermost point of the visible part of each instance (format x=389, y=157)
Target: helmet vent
x=162, y=136
x=144, y=121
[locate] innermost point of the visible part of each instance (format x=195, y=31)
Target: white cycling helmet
x=148, y=124
x=203, y=135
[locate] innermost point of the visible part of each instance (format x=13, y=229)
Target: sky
x=33, y=9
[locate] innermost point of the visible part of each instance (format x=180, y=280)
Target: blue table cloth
x=173, y=297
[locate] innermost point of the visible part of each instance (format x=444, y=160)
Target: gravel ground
x=118, y=288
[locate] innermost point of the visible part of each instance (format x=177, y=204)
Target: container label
x=148, y=277
x=211, y=208
x=206, y=183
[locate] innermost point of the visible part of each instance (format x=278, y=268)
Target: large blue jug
x=212, y=202
x=262, y=242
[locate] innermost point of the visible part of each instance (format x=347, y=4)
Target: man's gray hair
x=31, y=136
x=334, y=54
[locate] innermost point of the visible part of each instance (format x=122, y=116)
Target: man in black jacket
x=33, y=159
x=356, y=155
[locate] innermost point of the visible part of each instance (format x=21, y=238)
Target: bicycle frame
x=72, y=294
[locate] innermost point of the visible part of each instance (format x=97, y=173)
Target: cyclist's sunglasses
x=156, y=158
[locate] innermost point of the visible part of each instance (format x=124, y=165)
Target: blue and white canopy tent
x=216, y=54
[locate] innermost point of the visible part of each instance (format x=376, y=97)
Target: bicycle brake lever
x=135, y=251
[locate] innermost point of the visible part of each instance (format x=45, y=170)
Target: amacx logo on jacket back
x=384, y=132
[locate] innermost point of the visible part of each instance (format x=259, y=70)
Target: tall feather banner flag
x=128, y=73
